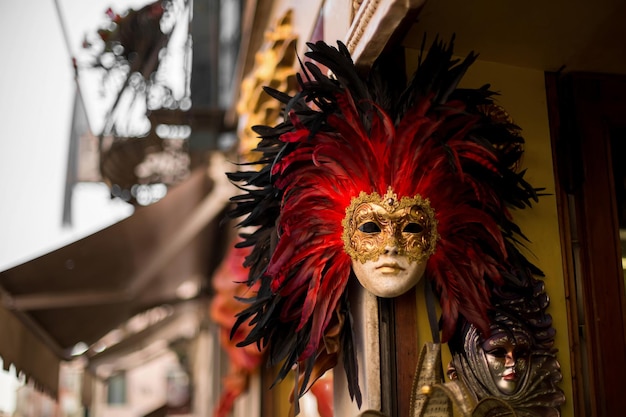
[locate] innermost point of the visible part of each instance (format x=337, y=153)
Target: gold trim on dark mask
x=372, y=223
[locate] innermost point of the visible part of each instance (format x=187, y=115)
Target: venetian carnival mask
x=507, y=354
x=389, y=241
x=341, y=188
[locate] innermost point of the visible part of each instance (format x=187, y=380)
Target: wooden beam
x=42, y=301
x=376, y=24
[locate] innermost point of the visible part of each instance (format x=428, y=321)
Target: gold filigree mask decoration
x=389, y=240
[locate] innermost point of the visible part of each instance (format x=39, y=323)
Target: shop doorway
x=588, y=123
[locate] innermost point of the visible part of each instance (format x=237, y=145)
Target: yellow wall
x=522, y=94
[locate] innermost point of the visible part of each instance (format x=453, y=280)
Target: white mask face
x=390, y=275
x=507, y=358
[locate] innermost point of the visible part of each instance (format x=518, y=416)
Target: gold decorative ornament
x=274, y=66
x=373, y=223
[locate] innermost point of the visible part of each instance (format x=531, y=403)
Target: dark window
x=116, y=389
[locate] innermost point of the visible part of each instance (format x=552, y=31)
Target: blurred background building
x=120, y=118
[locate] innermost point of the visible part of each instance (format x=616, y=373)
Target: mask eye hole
x=413, y=228
x=497, y=352
x=369, y=227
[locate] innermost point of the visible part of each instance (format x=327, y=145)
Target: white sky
x=37, y=84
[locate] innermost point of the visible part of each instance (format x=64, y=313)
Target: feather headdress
x=343, y=135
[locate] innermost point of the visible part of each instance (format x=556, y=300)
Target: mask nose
x=391, y=249
x=509, y=359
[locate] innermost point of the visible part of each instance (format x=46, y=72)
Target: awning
x=30, y=356
x=82, y=291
